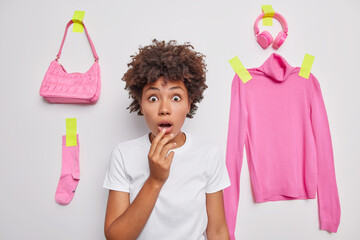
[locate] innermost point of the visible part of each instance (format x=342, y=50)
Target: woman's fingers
x=166, y=149
x=155, y=142
x=159, y=159
x=170, y=157
x=160, y=145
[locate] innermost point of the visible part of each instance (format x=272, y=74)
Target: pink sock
x=70, y=173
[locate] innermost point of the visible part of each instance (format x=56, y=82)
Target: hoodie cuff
x=329, y=226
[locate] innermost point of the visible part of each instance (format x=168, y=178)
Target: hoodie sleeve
x=234, y=152
x=327, y=192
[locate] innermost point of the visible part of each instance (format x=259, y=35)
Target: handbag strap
x=87, y=34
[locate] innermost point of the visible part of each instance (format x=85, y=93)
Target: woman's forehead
x=161, y=83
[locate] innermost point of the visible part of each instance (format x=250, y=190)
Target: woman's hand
x=126, y=221
x=159, y=159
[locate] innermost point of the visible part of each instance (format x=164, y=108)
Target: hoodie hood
x=276, y=67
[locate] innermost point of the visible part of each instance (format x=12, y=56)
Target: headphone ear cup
x=264, y=39
x=279, y=40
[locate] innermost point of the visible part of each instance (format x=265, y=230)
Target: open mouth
x=165, y=125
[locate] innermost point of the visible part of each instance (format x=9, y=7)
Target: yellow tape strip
x=77, y=19
x=306, y=66
x=269, y=13
x=71, y=132
x=240, y=69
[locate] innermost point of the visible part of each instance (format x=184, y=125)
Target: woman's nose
x=164, y=108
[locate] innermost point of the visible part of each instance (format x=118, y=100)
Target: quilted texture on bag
x=58, y=83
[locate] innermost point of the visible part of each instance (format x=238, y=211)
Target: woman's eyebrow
x=152, y=88
x=176, y=87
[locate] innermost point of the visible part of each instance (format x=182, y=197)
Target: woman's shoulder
x=204, y=144
x=133, y=144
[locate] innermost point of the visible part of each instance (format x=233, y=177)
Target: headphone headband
x=278, y=16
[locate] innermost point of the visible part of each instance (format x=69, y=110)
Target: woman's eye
x=152, y=98
x=176, y=98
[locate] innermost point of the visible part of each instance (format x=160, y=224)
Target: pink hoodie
x=281, y=119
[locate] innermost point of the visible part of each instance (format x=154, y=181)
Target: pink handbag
x=60, y=86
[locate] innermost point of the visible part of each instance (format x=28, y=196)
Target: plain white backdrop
x=31, y=128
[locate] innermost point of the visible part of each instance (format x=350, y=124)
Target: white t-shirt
x=198, y=167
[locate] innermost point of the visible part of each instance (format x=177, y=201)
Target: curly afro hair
x=171, y=62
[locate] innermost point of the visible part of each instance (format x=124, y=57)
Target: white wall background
x=31, y=129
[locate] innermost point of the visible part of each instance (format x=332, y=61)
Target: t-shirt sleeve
x=116, y=177
x=218, y=175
